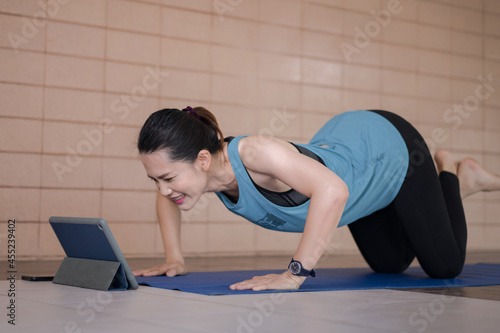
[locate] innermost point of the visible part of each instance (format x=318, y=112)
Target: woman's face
x=181, y=182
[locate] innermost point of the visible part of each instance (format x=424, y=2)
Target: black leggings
x=426, y=219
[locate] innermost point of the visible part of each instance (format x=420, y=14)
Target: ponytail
x=181, y=133
x=209, y=119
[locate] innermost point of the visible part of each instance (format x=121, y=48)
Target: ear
x=204, y=159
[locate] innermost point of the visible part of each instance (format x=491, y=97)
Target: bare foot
x=445, y=161
x=474, y=178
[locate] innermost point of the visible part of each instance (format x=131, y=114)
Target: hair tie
x=191, y=111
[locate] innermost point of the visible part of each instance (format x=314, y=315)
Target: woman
x=370, y=170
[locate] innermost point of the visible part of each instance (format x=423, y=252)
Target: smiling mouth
x=178, y=200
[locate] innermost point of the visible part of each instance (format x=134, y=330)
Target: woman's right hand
x=168, y=269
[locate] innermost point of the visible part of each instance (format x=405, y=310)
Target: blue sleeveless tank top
x=363, y=148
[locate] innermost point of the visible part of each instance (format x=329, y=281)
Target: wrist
x=174, y=260
x=173, y=255
x=298, y=280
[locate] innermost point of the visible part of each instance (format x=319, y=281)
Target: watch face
x=295, y=267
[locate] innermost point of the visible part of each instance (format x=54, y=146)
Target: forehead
x=158, y=163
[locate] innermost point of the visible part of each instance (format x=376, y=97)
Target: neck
x=221, y=174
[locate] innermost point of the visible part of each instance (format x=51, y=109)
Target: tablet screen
x=86, y=241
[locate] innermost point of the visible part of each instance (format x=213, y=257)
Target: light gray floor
x=45, y=307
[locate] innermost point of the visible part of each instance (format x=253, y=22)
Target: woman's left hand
x=284, y=281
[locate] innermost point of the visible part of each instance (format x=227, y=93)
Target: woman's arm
x=327, y=192
x=169, y=218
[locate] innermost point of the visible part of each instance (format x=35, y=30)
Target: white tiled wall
x=72, y=86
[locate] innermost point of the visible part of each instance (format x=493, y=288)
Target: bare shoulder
x=258, y=148
x=258, y=141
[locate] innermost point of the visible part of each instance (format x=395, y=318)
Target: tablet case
x=94, y=259
x=92, y=274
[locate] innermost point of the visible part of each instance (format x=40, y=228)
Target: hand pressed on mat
x=283, y=281
x=168, y=269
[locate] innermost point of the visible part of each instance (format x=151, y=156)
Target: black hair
x=181, y=134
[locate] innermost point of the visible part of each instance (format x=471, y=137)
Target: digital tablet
x=90, y=238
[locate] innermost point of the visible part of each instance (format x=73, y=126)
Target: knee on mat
x=444, y=272
x=390, y=268
x=392, y=264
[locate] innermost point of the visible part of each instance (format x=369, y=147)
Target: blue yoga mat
x=327, y=279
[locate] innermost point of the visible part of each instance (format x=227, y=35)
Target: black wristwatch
x=295, y=267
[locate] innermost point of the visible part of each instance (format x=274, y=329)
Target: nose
x=164, y=189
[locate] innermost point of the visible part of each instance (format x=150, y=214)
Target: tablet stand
x=92, y=274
